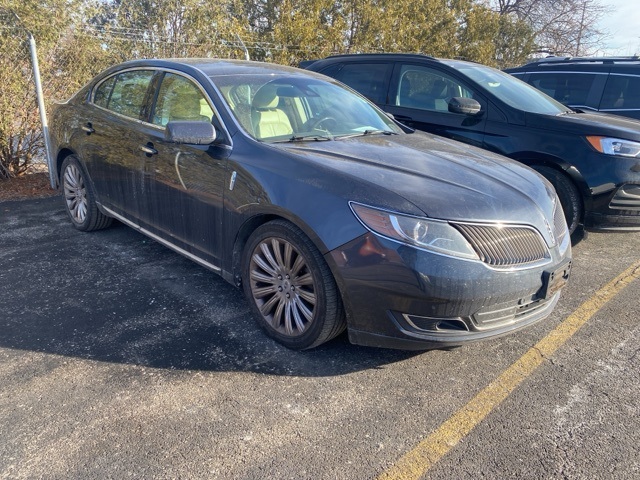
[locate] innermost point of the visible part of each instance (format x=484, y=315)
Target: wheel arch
x=535, y=159
x=62, y=154
x=255, y=221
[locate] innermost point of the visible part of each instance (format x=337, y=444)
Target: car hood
x=588, y=123
x=445, y=179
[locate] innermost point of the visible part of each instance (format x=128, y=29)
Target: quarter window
x=424, y=88
x=180, y=99
x=103, y=92
x=570, y=89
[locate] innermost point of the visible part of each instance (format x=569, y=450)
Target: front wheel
x=290, y=287
x=79, y=197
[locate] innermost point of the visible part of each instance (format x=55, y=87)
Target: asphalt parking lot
x=122, y=359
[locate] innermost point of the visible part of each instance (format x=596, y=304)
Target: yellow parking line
x=418, y=461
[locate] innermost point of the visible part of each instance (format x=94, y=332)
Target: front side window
x=570, y=89
x=621, y=92
x=180, y=99
x=125, y=93
x=298, y=108
x=424, y=88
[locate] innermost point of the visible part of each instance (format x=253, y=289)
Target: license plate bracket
x=553, y=281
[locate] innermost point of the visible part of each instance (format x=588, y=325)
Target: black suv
x=592, y=159
x=605, y=84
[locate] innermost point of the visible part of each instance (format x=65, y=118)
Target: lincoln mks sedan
x=327, y=213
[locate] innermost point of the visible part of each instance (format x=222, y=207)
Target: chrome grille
x=504, y=246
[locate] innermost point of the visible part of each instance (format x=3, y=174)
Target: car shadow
x=117, y=296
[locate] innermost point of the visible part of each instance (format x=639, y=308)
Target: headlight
x=434, y=235
x=615, y=146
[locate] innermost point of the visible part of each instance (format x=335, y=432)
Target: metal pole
x=246, y=52
x=43, y=112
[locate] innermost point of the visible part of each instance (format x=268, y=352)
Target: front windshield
x=512, y=91
x=299, y=108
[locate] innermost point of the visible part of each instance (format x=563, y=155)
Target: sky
x=622, y=22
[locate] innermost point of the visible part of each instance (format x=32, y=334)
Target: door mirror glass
x=465, y=106
x=190, y=132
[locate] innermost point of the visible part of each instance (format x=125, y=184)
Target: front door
x=185, y=183
x=419, y=97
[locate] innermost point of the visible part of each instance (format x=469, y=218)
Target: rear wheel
x=79, y=197
x=290, y=287
x=567, y=193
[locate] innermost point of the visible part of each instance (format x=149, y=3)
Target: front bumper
x=620, y=210
x=398, y=296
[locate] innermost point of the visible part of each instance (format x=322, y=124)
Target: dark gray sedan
x=328, y=213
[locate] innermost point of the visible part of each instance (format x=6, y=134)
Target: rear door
x=113, y=149
x=419, y=95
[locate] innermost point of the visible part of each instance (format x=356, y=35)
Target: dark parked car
x=593, y=160
x=315, y=202
x=605, y=84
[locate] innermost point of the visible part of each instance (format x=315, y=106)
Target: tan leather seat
x=267, y=119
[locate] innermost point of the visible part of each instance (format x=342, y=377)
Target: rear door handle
x=88, y=128
x=148, y=149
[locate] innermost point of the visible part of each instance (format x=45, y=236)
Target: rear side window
x=125, y=93
x=367, y=78
x=621, y=92
x=567, y=88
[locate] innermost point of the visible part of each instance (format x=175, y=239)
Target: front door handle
x=88, y=128
x=148, y=149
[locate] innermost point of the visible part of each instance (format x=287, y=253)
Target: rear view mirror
x=466, y=106
x=194, y=133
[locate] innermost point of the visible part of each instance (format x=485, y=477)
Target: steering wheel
x=315, y=124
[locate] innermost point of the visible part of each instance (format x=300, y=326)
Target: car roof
x=581, y=63
x=390, y=57
x=215, y=66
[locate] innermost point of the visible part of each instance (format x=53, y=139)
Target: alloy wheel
x=75, y=193
x=282, y=286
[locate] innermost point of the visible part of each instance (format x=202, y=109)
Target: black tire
x=290, y=288
x=79, y=197
x=568, y=194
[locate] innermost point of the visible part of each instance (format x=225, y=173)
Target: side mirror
x=194, y=133
x=466, y=106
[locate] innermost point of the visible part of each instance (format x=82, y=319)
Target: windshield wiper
x=305, y=138
x=369, y=132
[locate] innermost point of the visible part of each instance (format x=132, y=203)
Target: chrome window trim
x=229, y=141
x=563, y=72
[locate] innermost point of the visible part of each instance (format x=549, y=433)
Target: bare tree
x=562, y=27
